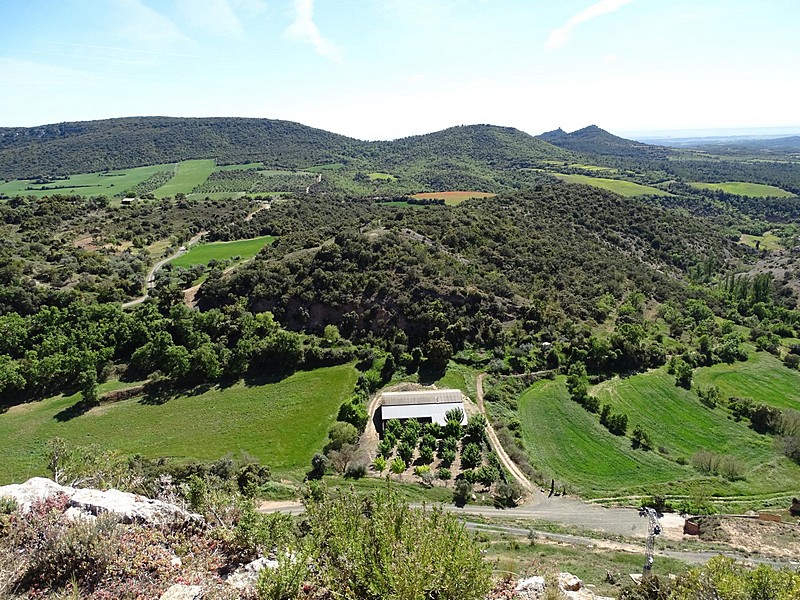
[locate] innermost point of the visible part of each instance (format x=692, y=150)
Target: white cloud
x=219, y=17
x=303, y=29
x=142, y=26
x=560, y=37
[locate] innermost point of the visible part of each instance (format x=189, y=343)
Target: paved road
x=149, y=281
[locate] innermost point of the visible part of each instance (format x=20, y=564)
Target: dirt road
x=149, y=281
x=505, y=460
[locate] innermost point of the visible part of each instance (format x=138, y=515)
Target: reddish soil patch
x=453, y=197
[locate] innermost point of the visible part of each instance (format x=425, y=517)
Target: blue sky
x=381, y=69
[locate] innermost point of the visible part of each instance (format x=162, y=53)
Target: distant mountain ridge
x=90, y=146
x=597, y=141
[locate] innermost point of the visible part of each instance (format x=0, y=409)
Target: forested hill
x=91, y=146
x=80, y=147
x=500, y=147
x=596, y=141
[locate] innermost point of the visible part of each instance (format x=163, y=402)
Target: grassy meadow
x=188, y=174
x=202, y=254
x=108, y=183
x=623, y=188
x=767, y=241
x=381, y=176
x=762, y=378
x=282, y=423
x=568, y=443
x=454, y=197
x=741, y=188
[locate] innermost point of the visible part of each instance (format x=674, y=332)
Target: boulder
x=89, y=503
x=35, y=489
x=180, y=591
x=530, y=588
x=569, y=583
x=131, y=508
x=246, y=576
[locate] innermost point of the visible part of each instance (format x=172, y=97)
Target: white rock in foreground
x=128, y=508
x=245, y=577
x=179, y=591
x=35, y=489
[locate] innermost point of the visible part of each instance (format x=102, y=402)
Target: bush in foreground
x=379, y=547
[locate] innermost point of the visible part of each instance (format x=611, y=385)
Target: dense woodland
x=544, y=275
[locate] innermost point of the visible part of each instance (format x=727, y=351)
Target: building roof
x=421, y=397
x=435, y=412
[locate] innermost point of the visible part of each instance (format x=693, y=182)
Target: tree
x=462, y=492
x=439, y=353
x=475, y=429
x=471, y=456
x=340, y=434
x=319, y=464
x=683, y=374
x=87, y=382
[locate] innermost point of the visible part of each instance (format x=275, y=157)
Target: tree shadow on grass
x=429, y=375
x=75, y=410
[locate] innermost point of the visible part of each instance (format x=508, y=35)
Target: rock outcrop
x=533, y=588
x=90, y=503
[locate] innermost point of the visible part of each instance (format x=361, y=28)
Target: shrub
x=340, y=434
x=354, y=412
x=379, y=547
x=379, y=464
x=462, y=492
x=444, y=474
x=283, y=582
x=64, y=551
x=319, y=464
x=641, y=439
x=397, y=466
x=355, y=471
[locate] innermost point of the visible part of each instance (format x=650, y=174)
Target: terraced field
x=566, y=442
x=762, y=378
x=188, y=175
x=623, y=188
x=281, y=423
x=109, y=183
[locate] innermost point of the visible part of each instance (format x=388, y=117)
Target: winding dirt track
x=151, y=274
x=505, y=459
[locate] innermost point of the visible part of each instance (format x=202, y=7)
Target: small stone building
x=426, y=406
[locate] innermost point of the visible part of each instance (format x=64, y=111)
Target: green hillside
x=623, y=188
x=282, y=424
x=568, y=443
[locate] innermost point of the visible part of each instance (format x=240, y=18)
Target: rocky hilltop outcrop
x=91, y=503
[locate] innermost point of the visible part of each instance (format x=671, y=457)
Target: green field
x=566, y=442
x=768, y=241
x=109, y=183
x=590, y=167
x=381, y=176
x=741, y=188
x=202, y=254
x=282, y=424
x=762, y=378
x=623, y=188
x=188, y=174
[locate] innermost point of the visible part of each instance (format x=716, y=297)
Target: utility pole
x=653, y=529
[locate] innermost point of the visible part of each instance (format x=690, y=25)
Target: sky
x=384, y=69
